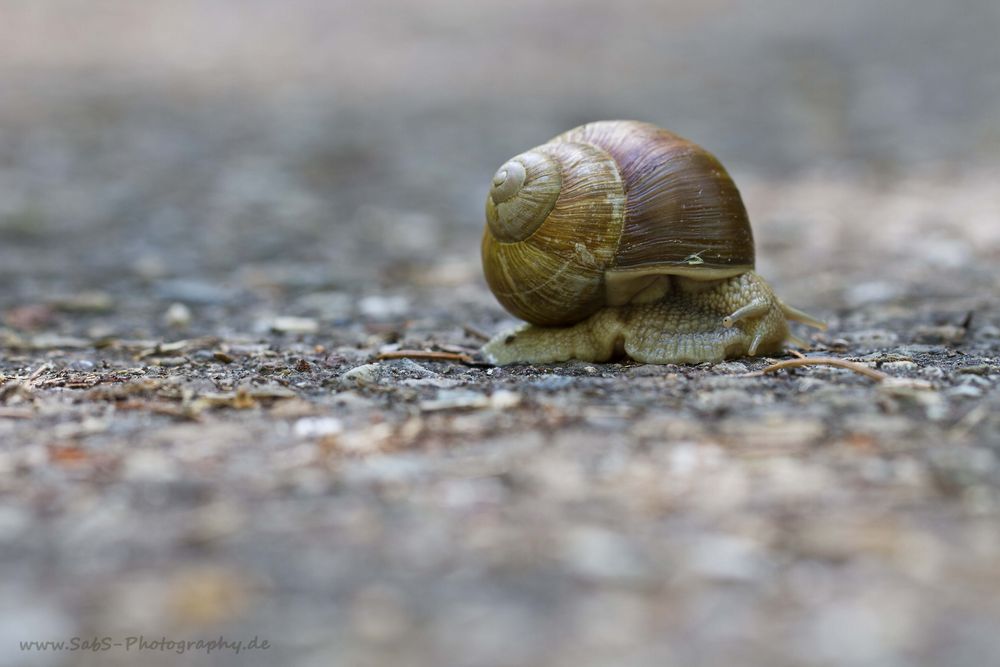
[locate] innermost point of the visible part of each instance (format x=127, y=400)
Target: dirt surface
x=214, y=217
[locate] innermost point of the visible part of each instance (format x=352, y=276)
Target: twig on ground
x=475, y=332
x=38, y=372
x=861, y=369
x=426, y=354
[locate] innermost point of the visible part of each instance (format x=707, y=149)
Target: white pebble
x=295, y=325
x=503, y=399
x=177, y=316
x=314, y=427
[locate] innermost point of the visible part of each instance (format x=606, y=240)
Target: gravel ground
x=215, y=216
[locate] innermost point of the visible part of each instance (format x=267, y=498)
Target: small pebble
x=294, y=325
x=177, y=316
x=965, y=391
x=503, y=399
x=364, y=374
x=946, y=333
x=897, y=366
x=448, y=399
x=873, y=337
x=194, y=291
x=437, y=382
x=988, y=331
x=170, y=362
x=552, y=382
x=976, y=381
x=328, y=305
x=225, y=358
x=410, y=367
x=150, y=465
x=313, y=427
x=383, y=307
x=86, y=302
x=732, y=368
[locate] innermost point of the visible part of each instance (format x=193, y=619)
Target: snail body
x=619, y=237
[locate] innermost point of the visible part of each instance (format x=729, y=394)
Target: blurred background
x=152, y=148
x=329, y=160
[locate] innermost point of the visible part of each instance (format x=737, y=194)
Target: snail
x=621, y=238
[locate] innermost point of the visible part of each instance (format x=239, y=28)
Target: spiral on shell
x=591, y=217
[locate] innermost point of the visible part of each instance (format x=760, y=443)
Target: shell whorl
x=683, y=213
x=589, y=218
x=546, y=246
x=524, y=191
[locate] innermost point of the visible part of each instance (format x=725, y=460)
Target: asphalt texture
x=219, y=221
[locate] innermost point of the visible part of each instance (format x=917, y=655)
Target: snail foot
x=692, y=324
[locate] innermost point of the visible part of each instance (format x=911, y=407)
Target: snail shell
x=600, y=213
